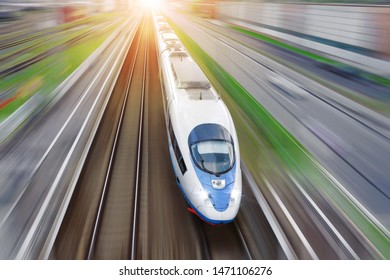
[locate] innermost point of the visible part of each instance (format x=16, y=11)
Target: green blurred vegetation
x=44, y=76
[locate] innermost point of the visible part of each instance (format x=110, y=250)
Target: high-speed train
x=203, y=143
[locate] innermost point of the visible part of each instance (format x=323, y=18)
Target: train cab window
x=212, y=148
x=214, y=157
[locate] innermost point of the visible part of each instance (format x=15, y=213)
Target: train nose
x=220, y=199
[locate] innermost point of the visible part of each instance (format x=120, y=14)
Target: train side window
x=171, y=134
x=182, y=166
x=176, y=149
x=174, y=72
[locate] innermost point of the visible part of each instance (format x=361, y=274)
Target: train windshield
x=212, y=148
x=215, y=157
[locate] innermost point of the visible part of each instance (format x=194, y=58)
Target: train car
x=203, y=143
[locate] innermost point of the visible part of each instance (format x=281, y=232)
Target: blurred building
x=112, y=5
x=357, y=34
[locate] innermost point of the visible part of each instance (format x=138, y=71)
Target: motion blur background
x=307, y=84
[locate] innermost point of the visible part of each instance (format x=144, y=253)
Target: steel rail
x=112, y=155
x=241, y=236
x=139, y=150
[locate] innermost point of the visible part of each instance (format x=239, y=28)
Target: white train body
x=203, y=143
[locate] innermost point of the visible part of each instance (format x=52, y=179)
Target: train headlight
x=206, y=198
x=234, y=196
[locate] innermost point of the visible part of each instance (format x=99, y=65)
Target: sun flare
x=151, y=3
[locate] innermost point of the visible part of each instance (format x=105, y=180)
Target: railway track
x=118, y=224
x=64, y=131
x=115, y=149
x=223, y=242
x=107, y=173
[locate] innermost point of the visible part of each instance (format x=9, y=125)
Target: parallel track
x=86, y=217
x=109, y=168
x=139, y=152
x=115, y=182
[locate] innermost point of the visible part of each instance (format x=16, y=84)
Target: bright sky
x=149, y=3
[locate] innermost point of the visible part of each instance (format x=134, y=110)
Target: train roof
x=196, y=102
x=193, y=107
x=177, y=51
x=194, y=99
x=169, y=36
x=189, y=75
